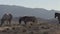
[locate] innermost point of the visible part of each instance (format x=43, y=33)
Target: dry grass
x=31, y=28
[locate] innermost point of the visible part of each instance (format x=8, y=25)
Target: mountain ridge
x=22, y=11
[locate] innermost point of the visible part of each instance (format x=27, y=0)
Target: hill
x=21, y=11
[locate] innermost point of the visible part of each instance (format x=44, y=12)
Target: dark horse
x=27, y=19
x=58, y=16
x=7, y=18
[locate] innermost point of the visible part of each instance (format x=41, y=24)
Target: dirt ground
x=31, y=28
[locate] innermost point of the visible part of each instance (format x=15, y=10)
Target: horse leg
x=10, y=22
x=25, y=22
x=7, y=22
x=1, y=23
x=19, y=22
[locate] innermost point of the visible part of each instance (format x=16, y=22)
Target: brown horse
x=58, y=16
x=7, y=18
x=27, y=19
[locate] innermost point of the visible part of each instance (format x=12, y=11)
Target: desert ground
x=41, y=27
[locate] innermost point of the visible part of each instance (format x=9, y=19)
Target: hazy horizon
x=46, y=4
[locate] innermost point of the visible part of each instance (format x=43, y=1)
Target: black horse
x=58, y=16
x=7, y=18
x=27, y=19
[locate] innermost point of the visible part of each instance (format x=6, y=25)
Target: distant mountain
x=22, y=11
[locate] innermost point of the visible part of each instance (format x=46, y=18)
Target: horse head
x=56, y=15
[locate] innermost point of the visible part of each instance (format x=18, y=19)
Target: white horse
x=6, y=17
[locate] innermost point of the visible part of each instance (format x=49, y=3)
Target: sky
x=46, y=4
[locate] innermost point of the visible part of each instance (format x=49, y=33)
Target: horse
x=27, y=19
x=58, y=16
x=7, y=18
